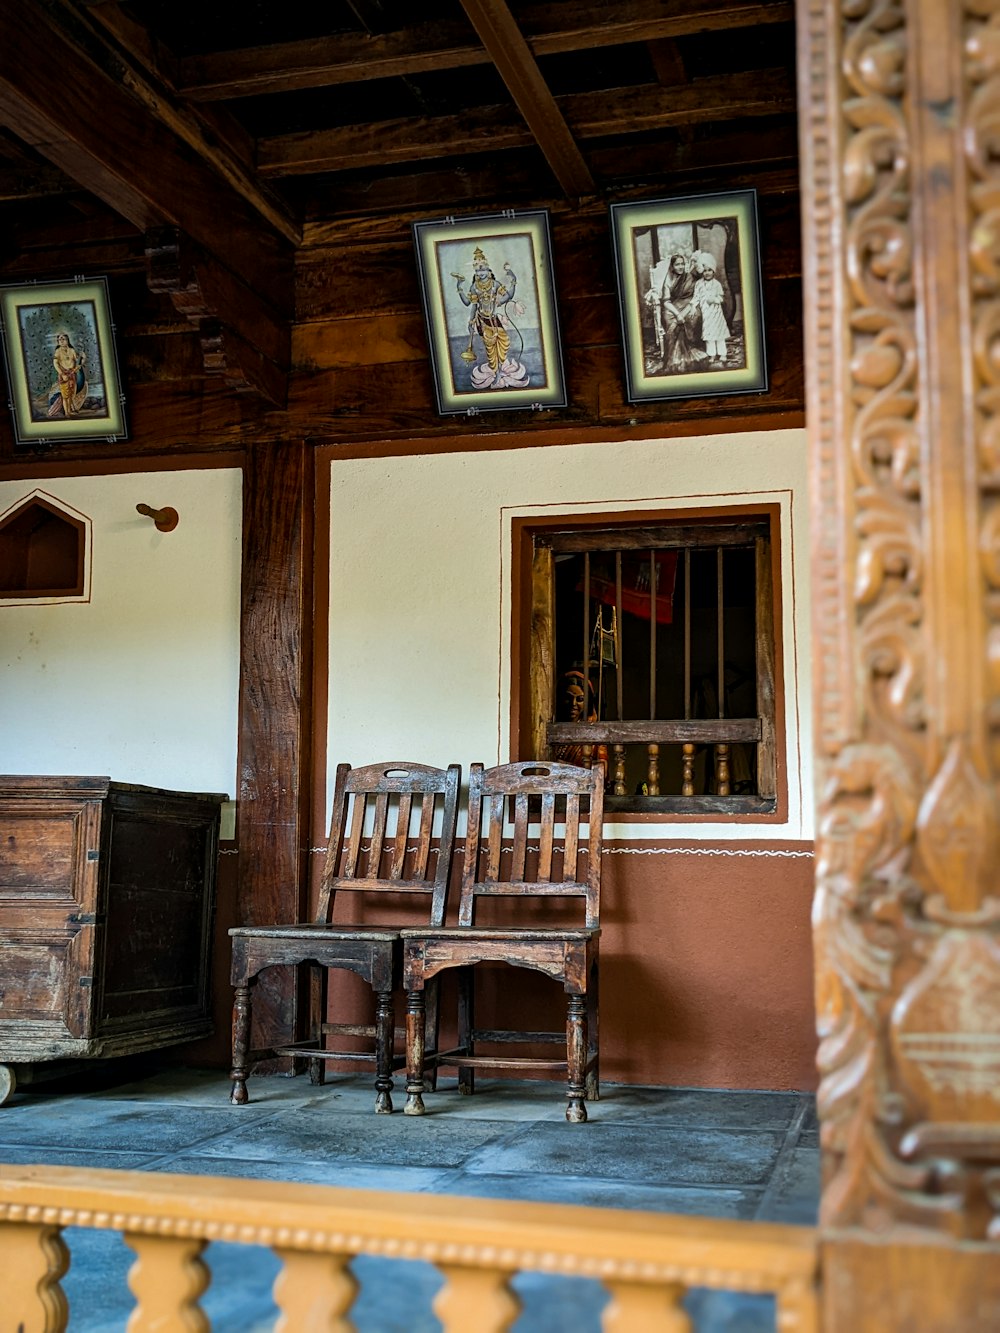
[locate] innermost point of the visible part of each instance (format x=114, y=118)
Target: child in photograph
x=708, y=298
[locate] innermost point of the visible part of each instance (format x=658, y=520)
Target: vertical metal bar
x=720, y=638
x=687, y=631
x=585, y=658
x=619, y=665
x=652, y=634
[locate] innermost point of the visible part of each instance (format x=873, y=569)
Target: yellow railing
x=647, y=1261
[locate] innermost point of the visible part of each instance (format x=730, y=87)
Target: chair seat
x=312, y=931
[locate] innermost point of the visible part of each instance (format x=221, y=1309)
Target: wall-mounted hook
x=165, y=519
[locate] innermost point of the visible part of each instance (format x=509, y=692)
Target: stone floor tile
x=351, y=1137
x=57, y=1155
x=585, y=1190
x=349, y=1175
x=119, y=1126
x=650, y=1154
x=795, y=1198
x=697, y=1107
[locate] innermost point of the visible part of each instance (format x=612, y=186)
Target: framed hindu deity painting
x=62, y=371
x=689, y=288
x=490, y=307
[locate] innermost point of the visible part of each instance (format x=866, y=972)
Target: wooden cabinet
x=107, y=895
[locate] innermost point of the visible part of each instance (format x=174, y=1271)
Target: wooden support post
x=275, y=741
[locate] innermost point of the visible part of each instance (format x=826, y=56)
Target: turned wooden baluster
x=687, y=771
x=619, y=770
x=797, y=1307
x=588, y=756
x=475, y=1298
x=638, y=1307
x=653, y=769
x=314, y=1291
x=35, y=1258
x=722, y=770
x=167, y=1279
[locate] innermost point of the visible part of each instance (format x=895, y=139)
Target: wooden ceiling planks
x=171, y=122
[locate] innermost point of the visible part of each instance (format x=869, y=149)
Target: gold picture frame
x=62, y=368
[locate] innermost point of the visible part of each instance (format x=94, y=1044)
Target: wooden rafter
x=617, y=111
x=548, y=29
x=517, y=67
x=102, y=131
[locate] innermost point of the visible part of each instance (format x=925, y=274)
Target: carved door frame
x=899, y=105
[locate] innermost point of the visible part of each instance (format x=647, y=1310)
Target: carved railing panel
x=647, y=1262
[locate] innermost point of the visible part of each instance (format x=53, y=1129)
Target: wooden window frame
x=534, y=544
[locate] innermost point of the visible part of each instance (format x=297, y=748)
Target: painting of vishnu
x=491, y=314
x=58, y=344
x=689, y=284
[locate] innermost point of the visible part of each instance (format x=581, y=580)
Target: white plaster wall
x=420, y=597
x=140, y=682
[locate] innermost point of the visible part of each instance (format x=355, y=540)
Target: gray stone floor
x=751, y=1155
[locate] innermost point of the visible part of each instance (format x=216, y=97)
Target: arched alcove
x=43, y=550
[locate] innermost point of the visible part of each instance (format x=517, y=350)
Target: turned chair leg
x=415, y=1034
x=432, y=991
x=466, y=1028
x=242, y=1014
x=384, y=1031
x=317, y=1017
x=576, y=1059
x=593, y=1039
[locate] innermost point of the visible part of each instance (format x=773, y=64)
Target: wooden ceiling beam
x=548, y=29
x=517, y=67
x=214, y=134
x=77, y=117
x=618, y=111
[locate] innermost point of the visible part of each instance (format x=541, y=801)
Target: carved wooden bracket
x=242, y=338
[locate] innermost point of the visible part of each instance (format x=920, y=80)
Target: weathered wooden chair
x=400, y=802
x=550, y=794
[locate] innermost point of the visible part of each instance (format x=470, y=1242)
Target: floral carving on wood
x=906, y=910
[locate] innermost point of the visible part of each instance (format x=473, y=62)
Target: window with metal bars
x=652, y=648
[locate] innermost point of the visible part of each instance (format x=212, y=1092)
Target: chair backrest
x=547, y=795
x=381, y=832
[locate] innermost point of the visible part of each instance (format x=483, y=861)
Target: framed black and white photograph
x=491, y=313
x=689, y=287
x=62, y=370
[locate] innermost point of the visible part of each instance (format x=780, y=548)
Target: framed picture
x=690, y=292
x=490, y=308
x=62, y=371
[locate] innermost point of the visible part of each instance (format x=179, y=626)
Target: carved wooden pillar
x=899, y=103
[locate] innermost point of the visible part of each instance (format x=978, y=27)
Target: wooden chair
x=400, y=802
x=551, y=794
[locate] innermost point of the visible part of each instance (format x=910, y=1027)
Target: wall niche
x=44, y=551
